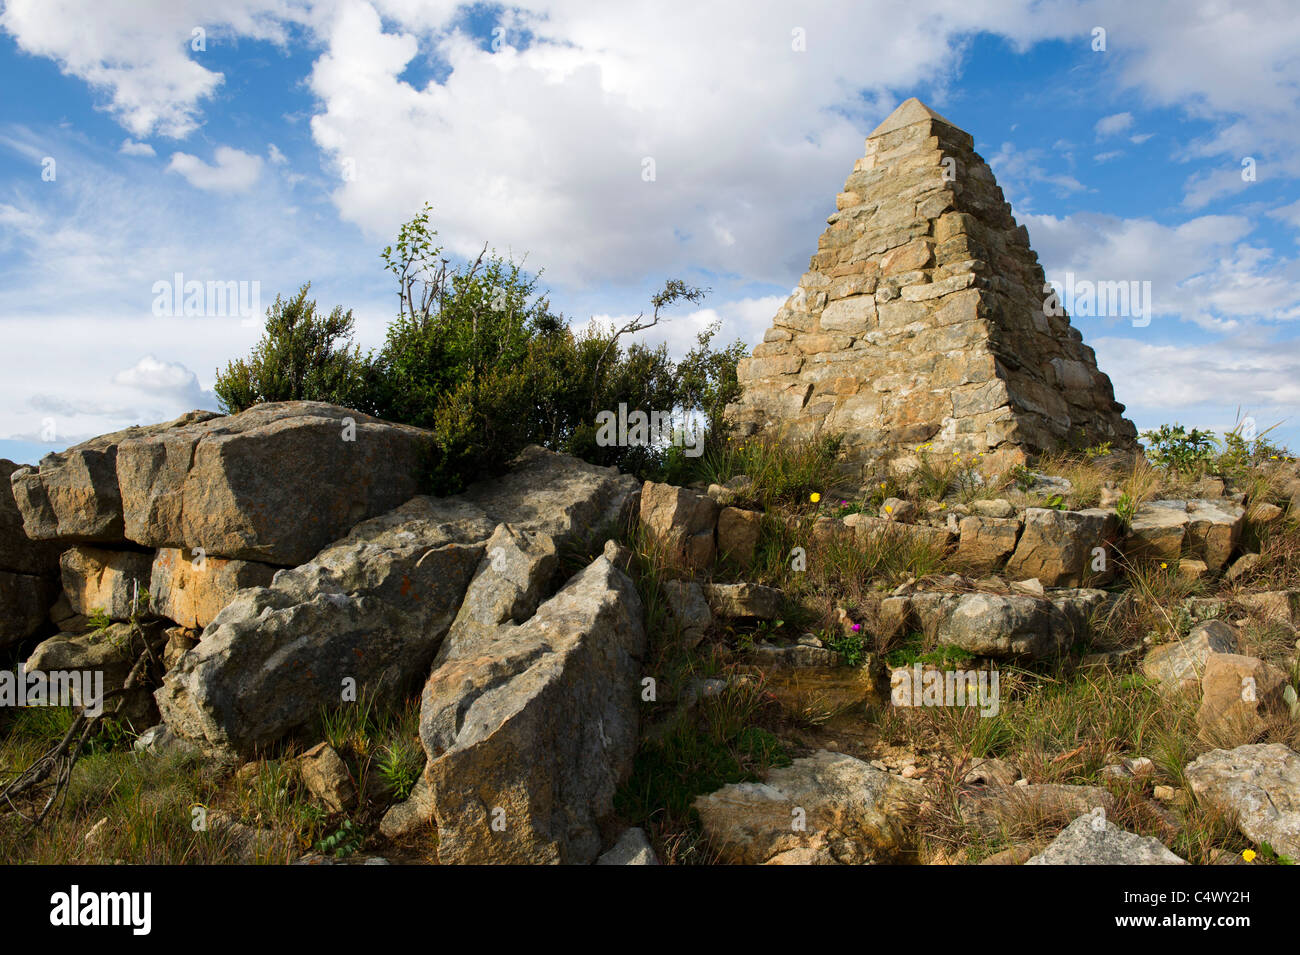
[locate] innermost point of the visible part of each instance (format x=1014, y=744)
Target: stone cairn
x=921, y=324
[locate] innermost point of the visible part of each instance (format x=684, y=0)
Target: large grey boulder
x=73, y=495
x=1095, y=840
x=1059, y=547
x=373, y=608
x=825, y=808
x=274, y=484
x=546, y=507
x=1007, y=625
x=366, y=614
x=1259, y=786
x=530, y=734
x=1179, y=665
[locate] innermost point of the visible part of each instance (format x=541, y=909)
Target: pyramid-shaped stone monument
x=921, y=323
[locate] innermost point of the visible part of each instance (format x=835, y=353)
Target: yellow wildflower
x=1248, y=855
x=814, y=497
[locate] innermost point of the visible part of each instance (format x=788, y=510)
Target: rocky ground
x=564, y=664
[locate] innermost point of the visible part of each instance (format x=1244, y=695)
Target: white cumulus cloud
x=233, y=171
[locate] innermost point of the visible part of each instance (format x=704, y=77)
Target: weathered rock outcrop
x=73, y=495
x=1060, y=547
x=367, y=613
x=1258, y=785
x=826, y=808
x=681, y=521
x=28, y=569
x=1201, y=529
x=1179, y=665
x=19, y=553
x=922, y=321
x=274, y=484
x=1006, y=625
x=193, y=590
x=110, y=652
x=530, y=733
x=1095, y=840
x=374, y=607
x=105, y=581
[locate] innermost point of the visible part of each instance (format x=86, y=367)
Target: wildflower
x=889, y=508
x=1248, y=855
x=814, y=497
x=858, y=626
x=1163, y=565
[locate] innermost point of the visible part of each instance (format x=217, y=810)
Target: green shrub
x=477, y=356
x=303, y=355
x=1174, y=448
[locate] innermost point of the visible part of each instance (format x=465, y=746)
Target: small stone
x=896, y=509
x=994, y=507
x=632, y=848
x=326, y=777
x=1242, y=566
x=1264, y=513
x=1031, y=586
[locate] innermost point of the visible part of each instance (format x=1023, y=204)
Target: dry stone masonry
x=921, y=321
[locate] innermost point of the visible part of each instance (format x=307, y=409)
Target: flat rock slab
x=73, y=496
x=1006, y=625
x=1258, y=785
x=1095, y=840
x=273, y=484
x=1179, y=666
x=824, y=808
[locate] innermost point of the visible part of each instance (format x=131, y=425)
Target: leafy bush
x=1174, y=448
x=477, y=356
x=303, y=355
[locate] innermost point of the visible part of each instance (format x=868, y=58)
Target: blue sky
x=287, y=140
